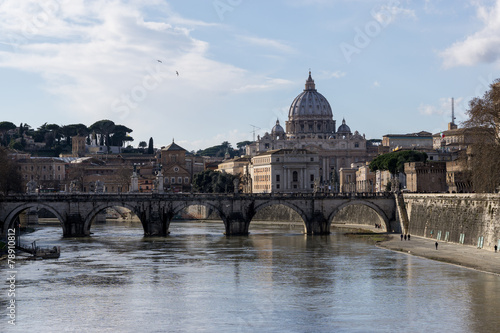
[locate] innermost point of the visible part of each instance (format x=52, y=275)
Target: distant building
x=365, y=179
x=421, y=139
x=47, y=172
x=458, y=175
x=426, y=176
x=177, y=174
x=285, y=170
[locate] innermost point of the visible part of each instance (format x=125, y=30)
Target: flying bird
x=176, y=72
x=159, y=61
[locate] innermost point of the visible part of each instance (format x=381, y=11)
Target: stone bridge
x=76, y=211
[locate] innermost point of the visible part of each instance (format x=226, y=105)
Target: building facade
x=285, y=171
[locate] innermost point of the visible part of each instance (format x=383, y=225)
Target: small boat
x=40, y=252
x=48, y=253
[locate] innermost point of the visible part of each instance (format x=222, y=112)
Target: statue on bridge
x=99, y=187
x=31, y=187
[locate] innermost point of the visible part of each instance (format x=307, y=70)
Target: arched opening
x=362, y=214
x=113, y=219
x=196, y=218
x=35, y=225
x=275, y=218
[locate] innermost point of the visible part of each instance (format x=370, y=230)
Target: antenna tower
x=254, y=129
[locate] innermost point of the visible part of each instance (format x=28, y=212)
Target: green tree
x=142, y=145
x=394, y=161
x=151, y=150
x=120, y=135
x=6, y=126
x=210, y=181
x=103, y=128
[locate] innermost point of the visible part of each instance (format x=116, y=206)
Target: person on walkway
x=401, y=236
x=405, y=237
x=436, y=245
x=408, y=236
x=496, y=248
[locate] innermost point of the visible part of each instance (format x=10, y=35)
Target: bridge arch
x=9, y=220
x=380, y=212
x=270, y=203
x=185, y=204
x=99, y=208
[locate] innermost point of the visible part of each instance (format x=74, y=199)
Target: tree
x=10, y=177
x=120, y=135
x=395, y=161
x=210, y=181
x=6, y=126
x=103, y=128
x=151, y=150
x=143, y=145
x=484, y=122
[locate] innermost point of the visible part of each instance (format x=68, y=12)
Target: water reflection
x=274, y=280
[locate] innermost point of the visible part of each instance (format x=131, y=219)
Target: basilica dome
x=310, y=103
x=310, y=114
x=344, y=129
x=277, y=129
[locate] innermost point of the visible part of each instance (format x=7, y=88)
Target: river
x=274, y=280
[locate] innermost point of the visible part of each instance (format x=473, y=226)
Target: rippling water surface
x=275, y=280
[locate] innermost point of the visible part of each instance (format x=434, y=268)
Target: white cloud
x=330, y=75
x=480, y=47
x=443, y=108
x=387, y=14
x=100, y=60
x=268, y=43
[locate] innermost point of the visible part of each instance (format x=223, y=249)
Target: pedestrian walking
x=401, y=236
x=496, y=248
x=408, y=236
x=405, y=237
x=436, y=245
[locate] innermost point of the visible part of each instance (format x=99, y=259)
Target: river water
x=275, y=280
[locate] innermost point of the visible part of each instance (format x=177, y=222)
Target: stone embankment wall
x=470, y=219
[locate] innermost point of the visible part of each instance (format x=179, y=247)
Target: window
x=312, y=178
x=277, y=186
x=356, y=145
x=277, y=178
x=277, y=159
x=186, y=180
x=172, y=180
x=312, y=159
x=295, y=176
x=179, y=180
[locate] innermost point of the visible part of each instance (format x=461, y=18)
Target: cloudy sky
x=385, y=66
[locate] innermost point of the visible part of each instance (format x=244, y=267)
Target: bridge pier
x=236, y=225
x=74, y=226
x=155, y=223
x=317, y=224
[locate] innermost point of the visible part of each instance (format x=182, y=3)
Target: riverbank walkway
x=485, y=260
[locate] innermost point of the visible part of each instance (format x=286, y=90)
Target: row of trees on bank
x=103, y=132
